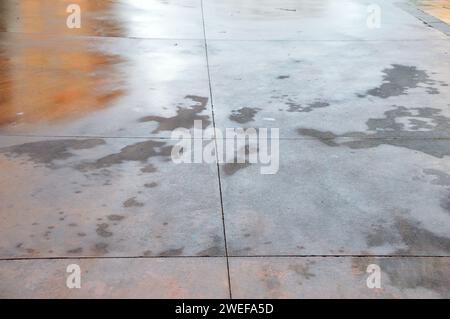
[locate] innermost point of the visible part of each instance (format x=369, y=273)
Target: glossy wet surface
x=86, y=117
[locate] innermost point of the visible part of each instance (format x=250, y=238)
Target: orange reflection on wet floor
x=44, y=80
x=438, y=8
x=50, y=16
x=47, y=78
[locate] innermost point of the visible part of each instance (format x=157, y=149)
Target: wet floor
x=87, y=175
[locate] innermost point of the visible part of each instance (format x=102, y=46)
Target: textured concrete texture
x=87, y=177
x=106, y=197
x=352, y=197
x=117, y=278
x=339, y=277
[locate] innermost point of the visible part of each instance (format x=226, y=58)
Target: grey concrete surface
x=105, y=18
x=87, y=178
x=326, y=20
x=117, y=278
x=345, y=278
x=330, y=86
x=105, y=197
x=366, y=198
x=149, y=87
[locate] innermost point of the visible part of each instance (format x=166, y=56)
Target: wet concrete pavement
x=86, y=117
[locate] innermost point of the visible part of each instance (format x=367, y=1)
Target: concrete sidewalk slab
x=171, y=278
x=87, y=177
x=105, y=197
x=329, y=198
x=107, y=87
x=179, y=19
x=311, y=20
x=330, y=86
x=344, y=277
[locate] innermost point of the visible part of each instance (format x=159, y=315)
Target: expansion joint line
x=217, y=158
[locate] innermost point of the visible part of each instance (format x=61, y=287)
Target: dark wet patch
x=132, y=202
x=102, y=173
x=78, y=250
x=244, y=115
x=286, y=9
x=116, y=217
x=398, y=79
x=149, y=168
x=171, y=252
x=318, y=105
x=445, y=203
x=217, y=248
x=101, y=248
x=432, y=90
x=233, y=167
x=151, y=185
x=212, y=251
x=441, y=178
x=185, y=116
x=302, y=270
x=428, y=273
x=325, y=137
x=295, y=107
x=147, y=253
x=416, y=239
x=45, y=152
x=379, y=236
x=138, y=152
x=410, y=273
x=46, y=235
x=102, y=230
x=422, y=134
x=422, y=121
